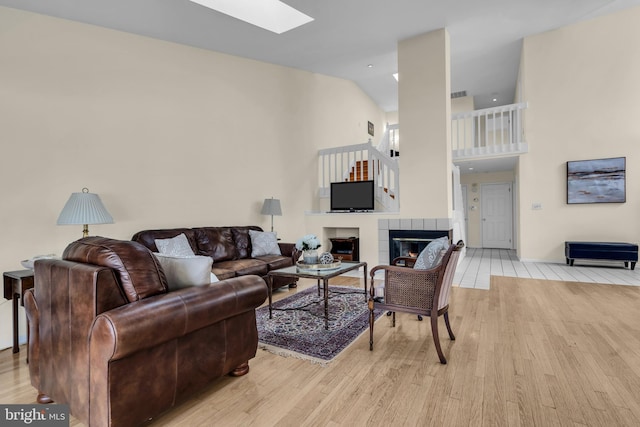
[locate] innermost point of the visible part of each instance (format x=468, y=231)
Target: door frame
x=465, y=205
x=512, y=227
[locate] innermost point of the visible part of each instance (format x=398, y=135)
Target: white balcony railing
x=475, y=134
x=488, y=132
x=366, y=163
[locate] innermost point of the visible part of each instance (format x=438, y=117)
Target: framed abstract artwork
x=596, y=181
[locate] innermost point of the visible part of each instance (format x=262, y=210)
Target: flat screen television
x=596, y=181
x=352, y=196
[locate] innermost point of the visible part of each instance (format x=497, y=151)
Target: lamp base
x=85, y=231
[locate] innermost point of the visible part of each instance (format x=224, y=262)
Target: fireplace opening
x=410, y=243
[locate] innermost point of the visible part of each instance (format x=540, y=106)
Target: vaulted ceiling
x=353, y=39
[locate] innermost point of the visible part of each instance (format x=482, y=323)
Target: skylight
x=272, y=15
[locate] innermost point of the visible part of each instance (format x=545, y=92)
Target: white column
x=424, y=98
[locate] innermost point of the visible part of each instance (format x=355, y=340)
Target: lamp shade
x=84, y=208
x=271, y=207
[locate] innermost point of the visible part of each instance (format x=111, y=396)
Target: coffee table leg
x=270, y=295
x=326, y=303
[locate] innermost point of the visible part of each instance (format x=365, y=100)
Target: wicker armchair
x=422, y=292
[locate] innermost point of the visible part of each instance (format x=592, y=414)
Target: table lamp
x=271, y=207
x=84, y=208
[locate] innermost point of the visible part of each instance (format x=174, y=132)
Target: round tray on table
x=323, y=267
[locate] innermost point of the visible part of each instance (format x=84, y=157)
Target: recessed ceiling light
x=272, y=15
x=370, y=65
x=495, y=99
x=395, y=76
x=470, y=169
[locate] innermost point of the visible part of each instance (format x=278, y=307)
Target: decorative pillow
x=176, y=246
x=182, y=272
x=264, y=243
x=430, y=256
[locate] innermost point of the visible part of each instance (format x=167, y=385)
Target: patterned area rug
x=297, y=328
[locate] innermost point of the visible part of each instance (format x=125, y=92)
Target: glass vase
x=310, y=256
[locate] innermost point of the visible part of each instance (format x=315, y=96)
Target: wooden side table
x=15, y=285
x=347, y=248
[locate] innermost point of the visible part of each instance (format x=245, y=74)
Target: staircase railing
x=338, y=163
x=488, y=132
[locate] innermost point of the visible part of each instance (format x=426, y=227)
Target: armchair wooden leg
x=372, y=319
x=371, y=322
x=436, y=338
x=446, y=322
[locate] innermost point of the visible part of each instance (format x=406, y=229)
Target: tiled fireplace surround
x=421, y=224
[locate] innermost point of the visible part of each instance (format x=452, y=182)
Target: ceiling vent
x=459, y=94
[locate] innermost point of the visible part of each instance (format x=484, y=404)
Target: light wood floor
x=529, y=352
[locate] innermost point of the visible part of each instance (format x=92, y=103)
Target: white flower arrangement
x=309, y=241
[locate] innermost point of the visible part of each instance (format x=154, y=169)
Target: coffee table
x=320, y=275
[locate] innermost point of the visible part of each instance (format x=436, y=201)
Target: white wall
x=581, y=83
x=167, y=135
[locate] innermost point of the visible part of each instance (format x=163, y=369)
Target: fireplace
x=412, y=242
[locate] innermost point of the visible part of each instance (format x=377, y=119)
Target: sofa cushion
x=148, y=237
x=137, y=270
x=216, y=242
x=222, y=273
x=242, y=240
x=175, y=246
x=263, y=243
x=275, y=262
x=244, y=266
x=182, y=272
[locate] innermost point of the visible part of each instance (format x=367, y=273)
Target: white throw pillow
x=430, y=256
x=182, y=272
x=264, y=243
x=176, y=246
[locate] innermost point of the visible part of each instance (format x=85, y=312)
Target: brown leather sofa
x=108, y=338
x=230, y=248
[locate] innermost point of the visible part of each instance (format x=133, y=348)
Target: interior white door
x=497, y=216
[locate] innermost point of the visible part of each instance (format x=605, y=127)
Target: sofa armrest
x=152, y=321
x=289, y=249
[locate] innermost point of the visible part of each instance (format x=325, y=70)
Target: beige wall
x=167, y=135
x=391, y=117
x=462, y=104
x=462, y=129
x=581, y=83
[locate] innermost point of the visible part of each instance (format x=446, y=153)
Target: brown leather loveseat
x=108, y=338
x=231, y=250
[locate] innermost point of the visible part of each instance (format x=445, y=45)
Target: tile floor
x=479, y=265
